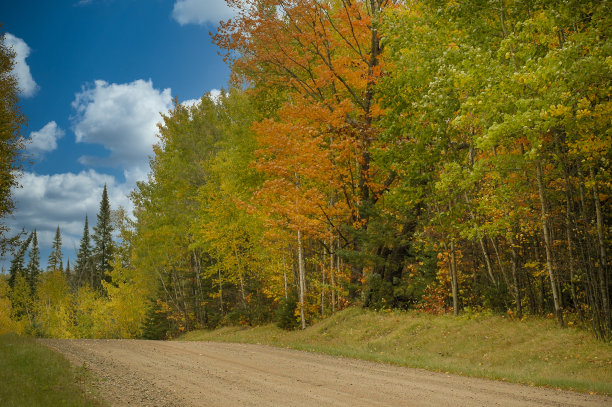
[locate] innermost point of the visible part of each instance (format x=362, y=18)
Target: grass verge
x=533, y=351
x=34, y=375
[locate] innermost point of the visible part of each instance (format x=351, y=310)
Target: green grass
x=533, y=351
x=34, y=375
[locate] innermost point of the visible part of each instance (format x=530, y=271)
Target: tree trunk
x=332, y=276
x=302, y=278
x=602, y=270
x=221, y=293
x=241, y=279
x=485, y=253
x=517, y=293
x=285, y=277
x=323, y=288
x=547, y=244
x=453, y=271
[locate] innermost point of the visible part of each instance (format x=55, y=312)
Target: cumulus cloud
x=121, y=117
x=201, y=11
x=45, y=139
x=46, y=201
x=21, y=70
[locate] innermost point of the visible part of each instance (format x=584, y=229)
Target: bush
x=285, y=313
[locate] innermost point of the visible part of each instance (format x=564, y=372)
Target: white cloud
x=201, y=11
x=215, y=94
x=46, y=201
x=45, y=139
x=191, y=102
x=121, y=117
x=21, y=70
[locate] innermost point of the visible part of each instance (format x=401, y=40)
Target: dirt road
x=154, y=373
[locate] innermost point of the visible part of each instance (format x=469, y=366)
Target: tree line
x=55, y=301
x=432, y=154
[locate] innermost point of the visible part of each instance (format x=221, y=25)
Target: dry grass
x=533, y=351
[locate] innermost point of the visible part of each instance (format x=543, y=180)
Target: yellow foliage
x=53, y=307
x=7, y=323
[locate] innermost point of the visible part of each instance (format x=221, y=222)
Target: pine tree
x=103, y=238
x=83, y=267
x=55, y=258
x=17, y=263
x=33, y=268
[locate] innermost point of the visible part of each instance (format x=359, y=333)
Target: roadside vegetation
x=428, y=155
x=532, y=351
x=33, y=375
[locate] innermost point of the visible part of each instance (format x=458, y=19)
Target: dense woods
x=434, y=155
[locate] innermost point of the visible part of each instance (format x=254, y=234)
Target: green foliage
x=286, y=312
x=84, y=264
x=17, y=264
x=12, y=122
x=33, y=268
x=104, y=247
x=157, y=324
x=55, y=261
x=466, y=166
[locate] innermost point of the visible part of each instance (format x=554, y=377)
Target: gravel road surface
x=157, y=373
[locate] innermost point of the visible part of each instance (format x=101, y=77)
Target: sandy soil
x=155, y=373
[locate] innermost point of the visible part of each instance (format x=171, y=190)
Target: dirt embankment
x=156, y=373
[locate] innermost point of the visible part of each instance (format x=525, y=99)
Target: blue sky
x=94, y=75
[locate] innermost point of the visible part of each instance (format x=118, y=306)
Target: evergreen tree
x=17, y=263
x=103, y=239
x=55, y=258
x=33, y=268
x=83, y=267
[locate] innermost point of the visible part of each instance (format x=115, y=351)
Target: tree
x=33, y=267
x=12, y=122
x=54, y=306
x=55, y=262
x=83, y=268
x=7, y=322
x=496, y=116
x=325, y=58
x=104, y=247
x=68, y=270
x=17, y=264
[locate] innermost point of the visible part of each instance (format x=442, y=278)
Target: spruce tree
x=83, y=267
x=103, y=239
x=55, y=258
x=17, y=268
x=33, y=268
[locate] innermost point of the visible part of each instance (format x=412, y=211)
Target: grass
x=34, y=375
x=533, y=351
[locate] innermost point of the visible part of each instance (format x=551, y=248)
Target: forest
x=433, y=155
